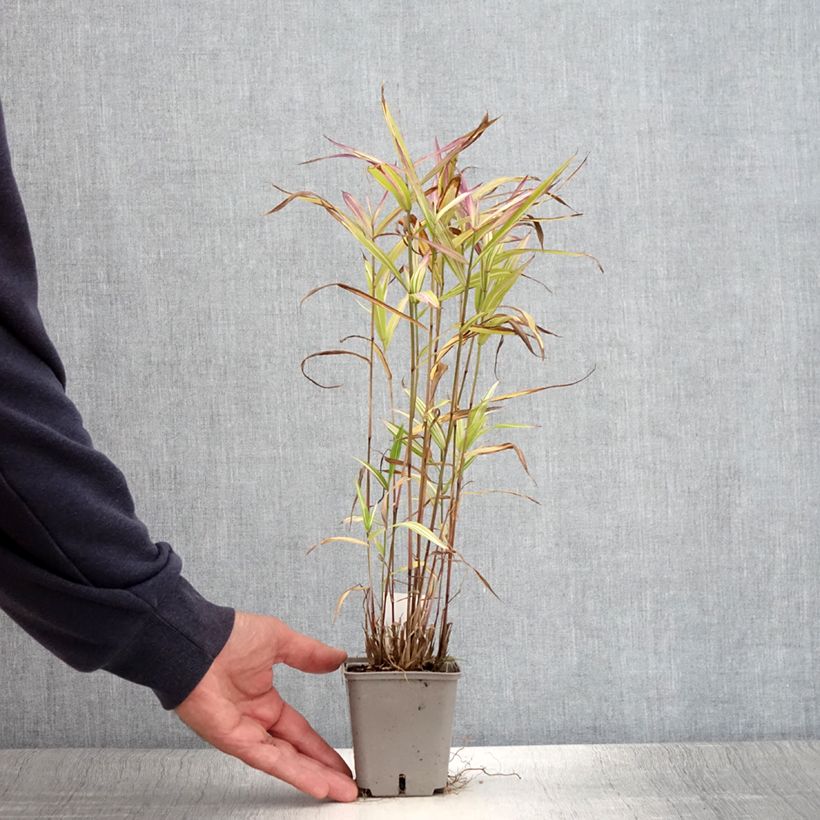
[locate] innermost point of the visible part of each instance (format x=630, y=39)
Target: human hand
x=236, y=708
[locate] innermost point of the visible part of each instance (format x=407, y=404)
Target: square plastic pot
x=402, y=726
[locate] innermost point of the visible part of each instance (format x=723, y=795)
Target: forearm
x=78, y=569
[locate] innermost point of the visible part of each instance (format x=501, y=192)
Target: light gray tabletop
x=767, y=780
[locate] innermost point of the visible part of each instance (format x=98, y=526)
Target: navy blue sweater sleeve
x=78, y=570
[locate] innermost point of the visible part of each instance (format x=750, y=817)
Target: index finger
x=307, y=654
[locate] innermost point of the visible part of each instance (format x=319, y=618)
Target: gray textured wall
x=667, y=587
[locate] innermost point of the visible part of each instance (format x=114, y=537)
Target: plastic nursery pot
x=402, y=726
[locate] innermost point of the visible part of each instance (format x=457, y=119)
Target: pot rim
x=394, y=674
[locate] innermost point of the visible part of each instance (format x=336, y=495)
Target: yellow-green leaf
x=424, y=532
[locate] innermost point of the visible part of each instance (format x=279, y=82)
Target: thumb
x=308, y=654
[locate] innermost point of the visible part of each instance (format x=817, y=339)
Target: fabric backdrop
x=666, y=587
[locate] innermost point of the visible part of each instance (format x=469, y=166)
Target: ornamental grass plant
x=445, y=262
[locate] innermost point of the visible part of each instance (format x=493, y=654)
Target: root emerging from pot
x=458, y=780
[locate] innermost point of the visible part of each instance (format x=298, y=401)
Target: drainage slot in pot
x=402, y=783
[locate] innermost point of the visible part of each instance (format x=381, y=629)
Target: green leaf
x=500, y=232
x=346, y=538
x=504, y=426
x=386, y=176
x=376, y=474
x=424, y=532
x=367, y=513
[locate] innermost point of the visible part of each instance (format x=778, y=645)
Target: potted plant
x=441, y=257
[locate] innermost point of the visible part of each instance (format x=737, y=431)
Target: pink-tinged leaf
x=508, y=204
x=437, y=151
x=456, y=146
x=328, y=156
x=308, y=196
x=447, y=251
x=469, y=205
x=349, y=152
x=428, y=297
x=356, y=208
